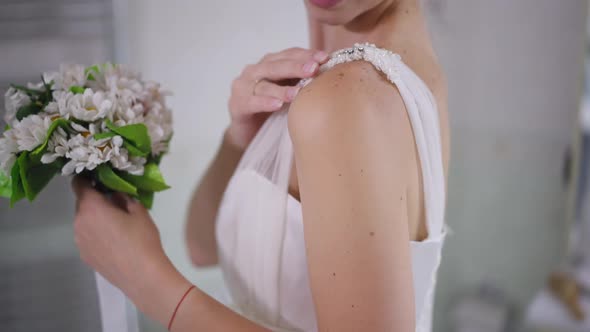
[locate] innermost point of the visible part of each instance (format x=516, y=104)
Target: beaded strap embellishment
x=384, y=60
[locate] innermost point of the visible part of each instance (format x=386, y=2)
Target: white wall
x=514, y=70
x=513, y=74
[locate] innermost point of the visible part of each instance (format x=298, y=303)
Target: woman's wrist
x=160, y=289
x=234, y=139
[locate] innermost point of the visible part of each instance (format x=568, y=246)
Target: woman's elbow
x=200, y=257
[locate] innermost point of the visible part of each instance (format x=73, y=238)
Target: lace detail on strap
x=384, y=60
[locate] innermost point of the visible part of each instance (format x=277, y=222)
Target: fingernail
x=320, y=56
x=277, y=103
x=292, y=93
x=310, y=67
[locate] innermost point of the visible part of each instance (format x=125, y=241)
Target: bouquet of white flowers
x=102, y=122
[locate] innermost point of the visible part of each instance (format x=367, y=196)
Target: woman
x=333, y=220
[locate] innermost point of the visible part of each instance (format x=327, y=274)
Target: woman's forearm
x=161, y=292
x=200, y=228
x=200, y=312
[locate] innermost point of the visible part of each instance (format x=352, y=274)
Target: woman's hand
x=265, y=87
x=117, y=237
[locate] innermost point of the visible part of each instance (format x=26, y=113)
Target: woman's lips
x=325, y=3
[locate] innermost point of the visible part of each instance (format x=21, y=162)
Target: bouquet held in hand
x=102, y=122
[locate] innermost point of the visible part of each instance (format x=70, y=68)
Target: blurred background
x=516, y=201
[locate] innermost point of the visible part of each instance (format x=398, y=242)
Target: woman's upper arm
x=352, y=144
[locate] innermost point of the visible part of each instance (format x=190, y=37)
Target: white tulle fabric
x=260, y=226
x=117, y=313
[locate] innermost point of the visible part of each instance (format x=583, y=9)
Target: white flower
x=85, y=153
x=67, y=77
x=132, y=165
x=158, y=118
x=153, y=94
x=126, y=115
x=8, y=150
x=116, y=79
x=124, y=88
x=60, y=102
x=91, y=130
x=121, y=160
x=89, y=106
x=13, y=100
x=31, y=131
x=158, y=121
x=57, y=146
x=36, y=86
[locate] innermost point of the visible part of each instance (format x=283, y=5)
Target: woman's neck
x=382, y=25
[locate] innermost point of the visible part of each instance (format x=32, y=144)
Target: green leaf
x=5, y=185
x=34, y=176
x=22, y=162
x=24, y=111
x=28, y=91
x=46, y=84
x=111, y=180
x=37, y=178
x=93, y=68
x=77, y=90
x=18, y=191
x=7, y=127
x=136, y=134
x=151, y=180
x=46, y=96
x=89, y=72
x=133, y=150
x=146, y=198
x=61, y=122
x=157, y=159
x=104, y=135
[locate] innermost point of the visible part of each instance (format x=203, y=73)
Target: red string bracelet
x=178, y=306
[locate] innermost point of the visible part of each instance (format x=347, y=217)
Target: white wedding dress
x=260, y=226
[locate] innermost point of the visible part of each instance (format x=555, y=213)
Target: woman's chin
x=325, y=19
x=329, y=17
x=325, y=4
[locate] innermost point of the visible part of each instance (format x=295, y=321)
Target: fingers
x=283, y=69
x=121, y=201
x=256, y=104
x=266, y=86
x=297, y=53
x=134, y=206
x=80, y=185
x=85, y=192
x=128, y=204
x=269, y=89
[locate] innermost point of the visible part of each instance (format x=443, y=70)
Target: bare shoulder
x=350, y=98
